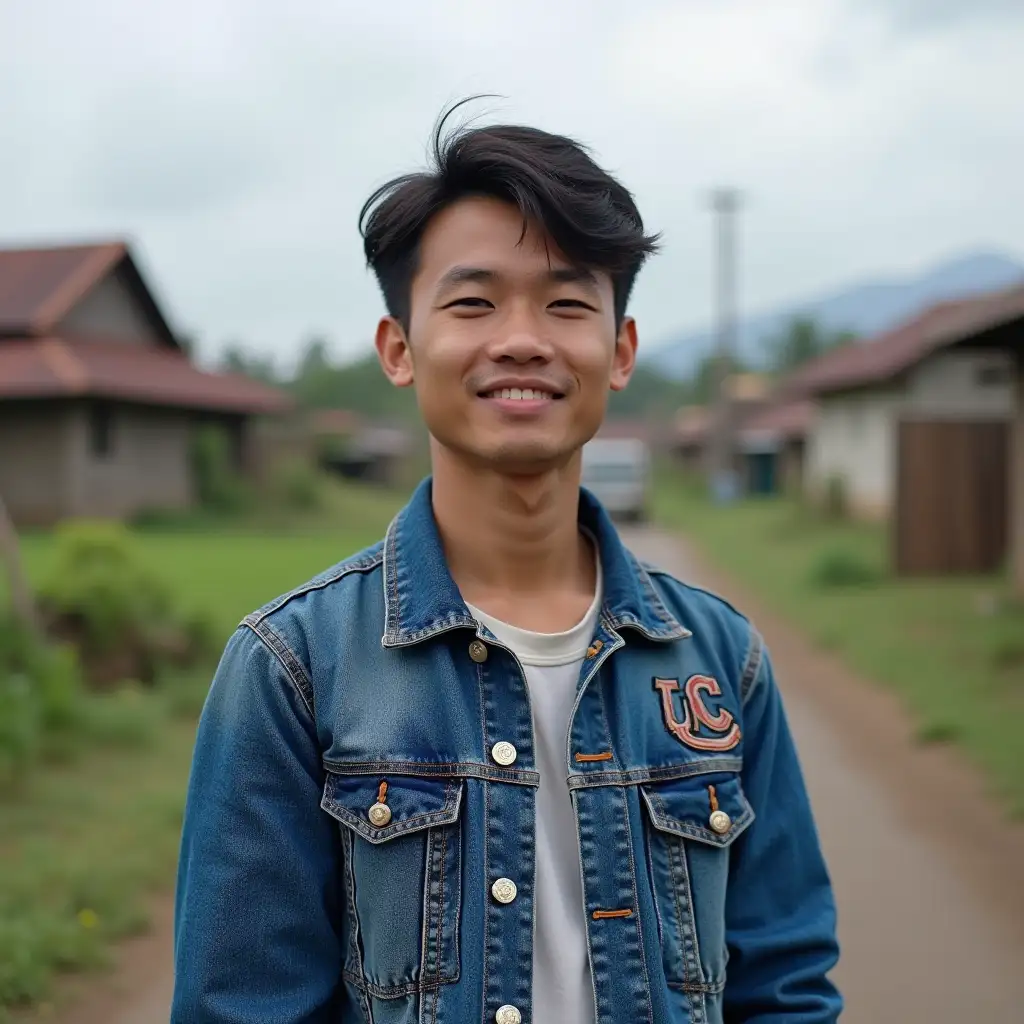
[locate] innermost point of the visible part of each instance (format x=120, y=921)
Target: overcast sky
x=233, y=141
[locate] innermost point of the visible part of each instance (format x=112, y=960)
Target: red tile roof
x=861, y=364
x=784, y=421
x=53, y=367
x=38, y=287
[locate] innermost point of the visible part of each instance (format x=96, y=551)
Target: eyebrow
x=481, y=275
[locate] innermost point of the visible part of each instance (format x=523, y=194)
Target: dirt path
x=928, y=876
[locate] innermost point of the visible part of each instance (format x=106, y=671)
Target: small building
x=915, y=425
x=771, y=443
x=690, y=435
x=98, y=398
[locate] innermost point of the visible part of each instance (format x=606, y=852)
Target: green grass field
x=951, y=648
x=95, y=831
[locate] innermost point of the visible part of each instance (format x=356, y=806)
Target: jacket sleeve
x=257, y=933
x=780, y=911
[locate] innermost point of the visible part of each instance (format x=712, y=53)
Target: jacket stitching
x=271, y=641
x=358, y=565
x=636, y=903
x=752, y=665
x=638, y=776
x=520, y=776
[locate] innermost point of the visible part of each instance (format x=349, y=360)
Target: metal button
x=504, y=890
x=379, y=815
x=508, y=1015
x=478, y=651
x=720, y=822
x=503, y=753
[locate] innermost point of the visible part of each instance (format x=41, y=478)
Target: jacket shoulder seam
x=654, y=570
x=751, y=665
x=366, y=563
x=275, y=645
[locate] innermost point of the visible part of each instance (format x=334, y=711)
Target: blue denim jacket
x=301, y=899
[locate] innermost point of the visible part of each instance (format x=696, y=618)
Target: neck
x=517, y=536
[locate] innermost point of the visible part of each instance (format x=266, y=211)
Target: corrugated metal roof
x=861, y=364
x=39, y=286
x=55, y=367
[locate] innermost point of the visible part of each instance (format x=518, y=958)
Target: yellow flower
x=88, y=918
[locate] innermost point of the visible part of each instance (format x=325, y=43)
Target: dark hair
x=553, y=181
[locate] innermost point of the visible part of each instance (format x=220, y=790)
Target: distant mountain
x=865, y=309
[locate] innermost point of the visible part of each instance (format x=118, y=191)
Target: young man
x=494, y=768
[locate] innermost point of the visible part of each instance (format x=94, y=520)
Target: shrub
x=296, y=486
x=219, y=486
x=40, y=697
x=840, y=567
x=836, y=504
x=119, y=614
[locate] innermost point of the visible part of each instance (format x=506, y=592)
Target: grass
x=951, y=648
x=91, y=835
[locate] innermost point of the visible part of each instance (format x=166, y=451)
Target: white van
x=618, y=473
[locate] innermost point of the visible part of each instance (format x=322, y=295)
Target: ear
x=624, y=360
x=393, y=352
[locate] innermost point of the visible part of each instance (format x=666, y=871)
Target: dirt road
x=929, y=878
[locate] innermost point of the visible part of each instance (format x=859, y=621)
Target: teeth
x=530, y=394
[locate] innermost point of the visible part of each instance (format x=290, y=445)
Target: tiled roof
x=860, y=364
x=39, y=286
x=785, y=420
x=62, y=367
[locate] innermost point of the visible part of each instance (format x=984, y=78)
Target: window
x=992, y=375
x=101, y=430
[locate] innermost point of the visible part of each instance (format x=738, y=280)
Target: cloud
x=235, y=140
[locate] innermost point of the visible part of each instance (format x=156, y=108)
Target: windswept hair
x=551, y=179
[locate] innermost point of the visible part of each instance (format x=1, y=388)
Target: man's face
x=512, y=350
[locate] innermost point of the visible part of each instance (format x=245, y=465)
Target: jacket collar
x=422, y=600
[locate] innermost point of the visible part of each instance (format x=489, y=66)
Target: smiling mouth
x=522, y=394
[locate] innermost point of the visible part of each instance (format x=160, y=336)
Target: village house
x=916, y=426
x=771, y=443
x=98, y=398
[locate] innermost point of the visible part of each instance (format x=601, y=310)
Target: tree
x=235, y=359
x=800, y=342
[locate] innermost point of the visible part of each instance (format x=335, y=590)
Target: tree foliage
x=802, y=340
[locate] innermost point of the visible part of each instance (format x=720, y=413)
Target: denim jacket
x=364, y=772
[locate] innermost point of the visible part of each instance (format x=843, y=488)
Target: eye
x=571, y=304
x=469, y=302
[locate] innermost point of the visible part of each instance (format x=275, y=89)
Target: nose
x=521, y=347
x=519, y=340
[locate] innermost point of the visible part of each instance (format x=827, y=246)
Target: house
x=749, y=394
x=771, y=443
x=914, y=425
x=98, y=398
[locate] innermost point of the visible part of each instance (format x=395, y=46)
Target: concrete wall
x=855, y=434
x=854, y=437
x=147, y=466
x=35, y=455
x=110, y=309
x=974, y=385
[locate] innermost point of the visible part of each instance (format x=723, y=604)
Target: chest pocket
x=402, y=840
x=693, y=822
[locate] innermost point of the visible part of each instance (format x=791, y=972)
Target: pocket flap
x=413, y=803
x=710, y=808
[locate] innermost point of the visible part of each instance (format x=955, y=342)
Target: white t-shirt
x=563, y=992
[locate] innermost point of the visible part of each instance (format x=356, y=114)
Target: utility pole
x=725, y=202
